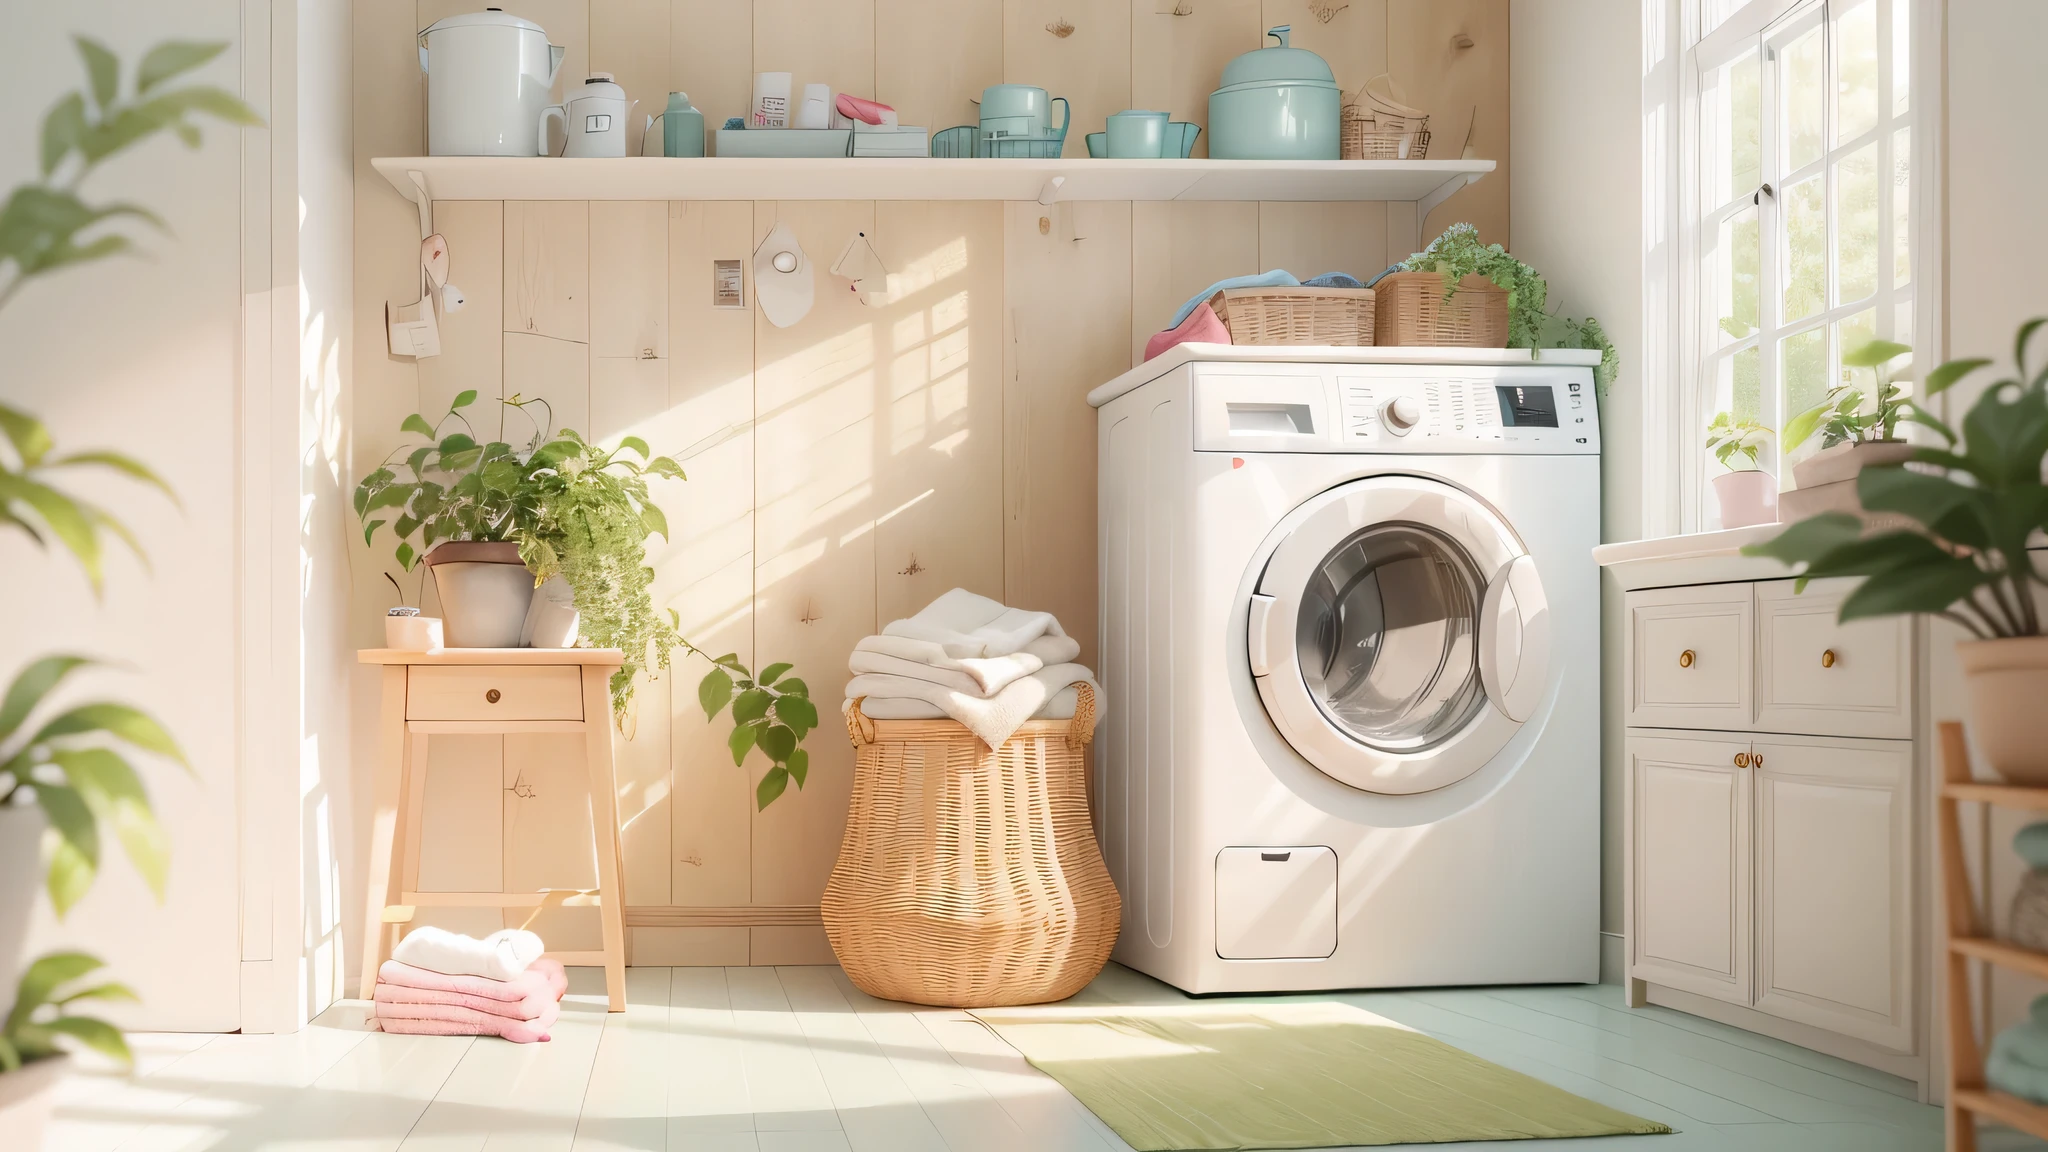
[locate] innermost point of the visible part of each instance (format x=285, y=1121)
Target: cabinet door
x=1691, y=654
x=1834, y=886
x=1689, y=836
x=1818, y=677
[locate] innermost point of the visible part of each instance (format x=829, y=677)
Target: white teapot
x=594, y=120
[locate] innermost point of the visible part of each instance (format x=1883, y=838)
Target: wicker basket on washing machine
x=969, y=876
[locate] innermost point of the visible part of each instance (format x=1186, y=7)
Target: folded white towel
x=1060, y=707
x=500, y=956
x=968, y=625
x=924, y=660
x=992, y=718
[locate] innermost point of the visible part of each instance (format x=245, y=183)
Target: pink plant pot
x=2007, y=681
x=1747, y=497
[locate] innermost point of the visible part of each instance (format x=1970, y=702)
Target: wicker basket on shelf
x=1413, y=311
x=1341, y=316
x=970, y=877
x=1376, y=125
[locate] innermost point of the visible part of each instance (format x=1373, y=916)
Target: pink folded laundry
x=446, y=1020
x=530, y=1008
x=544, y=978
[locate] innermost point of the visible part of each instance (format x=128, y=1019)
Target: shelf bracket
x=1049, y=194
x=1443, y=192
x=421, y=200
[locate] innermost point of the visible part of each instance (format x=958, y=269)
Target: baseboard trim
x=727, y=916
x=1613, y=959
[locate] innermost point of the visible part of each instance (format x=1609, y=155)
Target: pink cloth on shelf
x=1202, y=326
x=448, y=1020
x=545, y=978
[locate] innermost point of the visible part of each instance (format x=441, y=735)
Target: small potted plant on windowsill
x=1747, y=494
x=1970, y=512
x=1852, y=438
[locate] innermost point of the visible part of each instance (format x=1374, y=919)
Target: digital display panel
x=1527, y=407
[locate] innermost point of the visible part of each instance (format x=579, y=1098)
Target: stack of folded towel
x=970, y=658
x=439, y=983
x=2018, y=1063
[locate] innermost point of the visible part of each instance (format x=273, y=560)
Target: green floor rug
x=1287, y=1075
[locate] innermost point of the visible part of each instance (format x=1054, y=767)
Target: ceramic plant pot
x=27, y=1096
x=1747, y=497
x=551, y=619
x=2007, y=680
x=21, y=885
x=1844, y=461
x=485, y=593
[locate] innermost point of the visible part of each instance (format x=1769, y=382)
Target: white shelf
x=1425, y=182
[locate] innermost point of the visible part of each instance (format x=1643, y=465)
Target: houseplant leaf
x=713, y=691
x=30, y=685
x=75, y=852
x=771, y=786
x=120, y=721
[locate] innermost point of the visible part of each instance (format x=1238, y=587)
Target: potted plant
x=1964, y=557
x=31, y=1059
x=1852, y=437
x=1748, y=494
x=1459, y=253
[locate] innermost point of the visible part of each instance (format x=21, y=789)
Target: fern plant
x=1459, y=253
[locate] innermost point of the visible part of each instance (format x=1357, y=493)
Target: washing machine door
x=1399, y=635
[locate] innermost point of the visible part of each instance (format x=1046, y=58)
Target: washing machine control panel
x=1486, y=410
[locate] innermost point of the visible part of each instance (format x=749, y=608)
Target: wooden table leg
x=604, y=828
x=388, y=793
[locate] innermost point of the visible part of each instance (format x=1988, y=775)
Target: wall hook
x=1060, y=28
x=914, y=568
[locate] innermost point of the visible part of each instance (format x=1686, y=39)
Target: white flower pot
x=1747, y=497
x=27, y=1097
x=1844, y=461
x=2007, y=682
x=21, y=885
x=551, y=621
x=485, y=591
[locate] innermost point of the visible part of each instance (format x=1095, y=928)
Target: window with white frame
x=1796, y=182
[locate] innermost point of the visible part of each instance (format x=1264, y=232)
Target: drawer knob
x=1685, y=658
x=492, y=696
x=1756, y=760
x=1742, y=759
x=1827, y=658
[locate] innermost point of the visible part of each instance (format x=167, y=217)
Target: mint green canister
x=682, y=127
x=1278, y=103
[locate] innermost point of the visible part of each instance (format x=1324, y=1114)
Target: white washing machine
x=1350, y=644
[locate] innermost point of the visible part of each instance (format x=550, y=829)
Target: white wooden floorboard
x=783, y=1082
x=508, y=1097
x=1035, y=1100
x=626, y=1106
x=709, y=1107
x=959, y=1107
x=877, y=1111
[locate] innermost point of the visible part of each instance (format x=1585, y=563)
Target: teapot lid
x=488, y=18
x=1278, y=63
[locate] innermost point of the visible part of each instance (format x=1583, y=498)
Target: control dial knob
x=1401, y=414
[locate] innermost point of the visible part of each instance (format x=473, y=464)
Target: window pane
x=1802, y=93
x=1731, y=278
x=1730, y=125
x=1803, y=255
x=1856, y=71
x=1902, y=56
x=1902, y=323
x=1803, y=371
x=1852, y=333
x=1856, y=224
x=1902, y=207
x=1736, y=387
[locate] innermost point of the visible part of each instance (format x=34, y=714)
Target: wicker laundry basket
x=1412, y=312
x=970, y=877
x=1341, y=316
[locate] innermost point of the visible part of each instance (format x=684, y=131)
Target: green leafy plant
x=1728, y=438
x=31, y=501
x=1973, y=508
x=451, y=487
x=41, y=1012
x=772, y=712
x=1459, y=253
x=1840, y=416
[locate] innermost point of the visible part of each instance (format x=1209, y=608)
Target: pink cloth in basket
x=1202, y=326
x=545, y=978
x=448, y=1020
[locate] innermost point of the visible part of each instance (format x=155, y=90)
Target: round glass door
x=1388, y=637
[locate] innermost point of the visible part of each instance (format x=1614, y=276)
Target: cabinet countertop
x=1697, y=558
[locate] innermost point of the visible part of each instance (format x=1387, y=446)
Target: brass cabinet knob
x=1742, y=759
x=1685, y=658
x=493, y=696
x=1827, y=658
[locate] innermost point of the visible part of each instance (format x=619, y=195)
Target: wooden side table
x=492, y=691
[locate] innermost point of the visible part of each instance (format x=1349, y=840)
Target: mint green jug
x=682, y=127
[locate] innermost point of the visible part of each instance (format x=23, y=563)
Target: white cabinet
x=1770, y=806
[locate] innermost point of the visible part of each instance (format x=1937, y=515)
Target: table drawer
x=1824, y=678
x=1691, y=657
x=494, y=692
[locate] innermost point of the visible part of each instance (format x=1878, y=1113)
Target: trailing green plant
x=1728, y=438
x=41, y=1012
x=584, y=513
x=1840, y=417
x=1973, y=509
x=1459, y=253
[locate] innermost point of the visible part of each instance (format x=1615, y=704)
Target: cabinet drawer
x=1828, y=679
x=495, y=692
x=1690, y=657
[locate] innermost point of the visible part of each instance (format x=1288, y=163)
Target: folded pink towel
x=448, y=1020
x=527, y=1009
x=545, y=978
x=1202, y=326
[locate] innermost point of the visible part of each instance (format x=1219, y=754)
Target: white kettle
x=594, y=120
x=489, y=74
